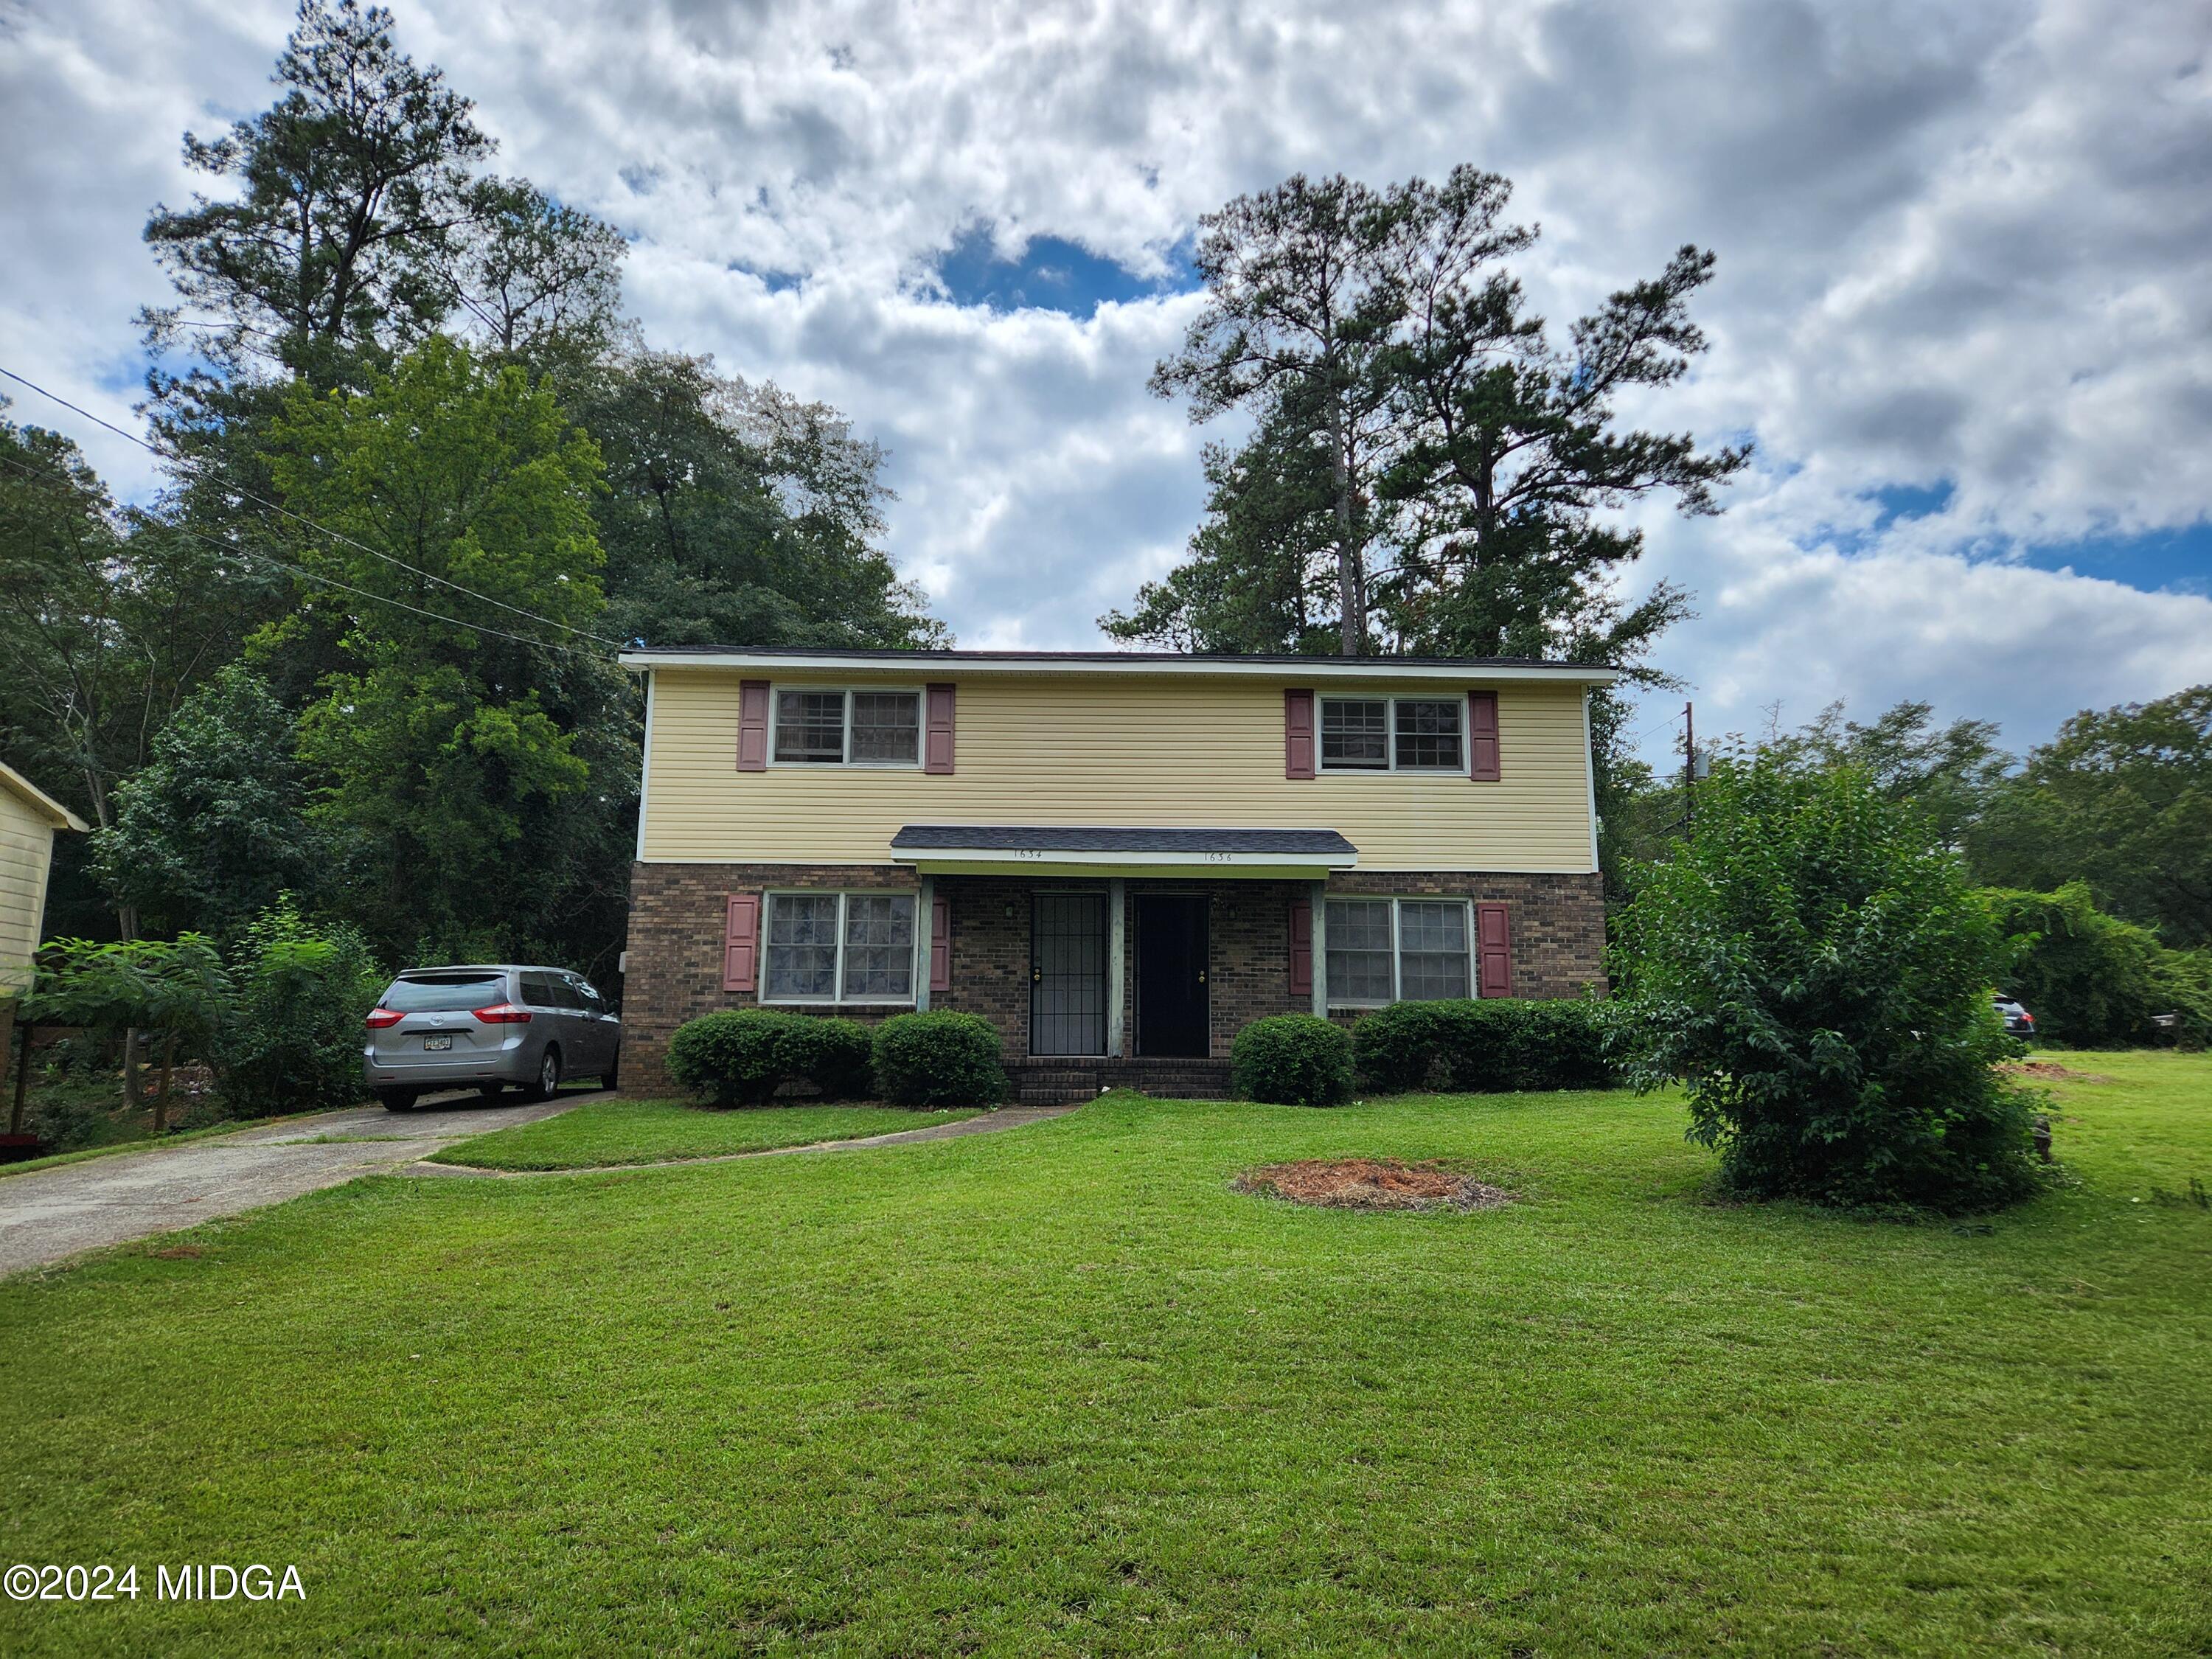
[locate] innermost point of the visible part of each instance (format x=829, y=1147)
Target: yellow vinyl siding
x=1076, y=749
x=27, y=845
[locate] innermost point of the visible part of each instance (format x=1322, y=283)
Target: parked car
x=2018, y=1021
x=491, y=1025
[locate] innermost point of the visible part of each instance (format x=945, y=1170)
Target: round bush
x=1292, y=1060
x=742, y=1056
x=938, y=1059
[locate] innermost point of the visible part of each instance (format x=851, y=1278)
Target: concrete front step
x=1042, y=1082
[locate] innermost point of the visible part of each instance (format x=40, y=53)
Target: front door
x=1172, y=956
x=1067, y=973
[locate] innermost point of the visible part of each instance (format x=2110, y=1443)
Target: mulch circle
x=1372, y=1183
x=2051, y=1071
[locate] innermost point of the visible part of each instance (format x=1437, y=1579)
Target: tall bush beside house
x=1818, y=972
x=293, y=1043
x=175, y=990
x=938, y=1059
x=1291, y=1060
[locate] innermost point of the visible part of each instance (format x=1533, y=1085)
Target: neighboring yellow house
x=28, y=818
x=1119, y=859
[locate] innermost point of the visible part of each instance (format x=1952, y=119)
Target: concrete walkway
x=48, y=1214
x=983, y=1123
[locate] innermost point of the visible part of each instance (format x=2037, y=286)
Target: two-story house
x=1119, y=859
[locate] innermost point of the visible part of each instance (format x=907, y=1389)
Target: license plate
x=434, y=1043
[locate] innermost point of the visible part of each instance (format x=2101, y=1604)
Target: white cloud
x=1965, y=247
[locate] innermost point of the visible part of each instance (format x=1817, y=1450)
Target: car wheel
x=549, y=1074
x=397, y=1100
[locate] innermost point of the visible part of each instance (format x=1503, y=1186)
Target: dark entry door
x=1067, y=973
x=1171, y=950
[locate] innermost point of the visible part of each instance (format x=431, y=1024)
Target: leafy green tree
x=2121, y=799
x=736, y=514
x=177, y=989
x=1950, y=773
x=482, y=776
x=538, y=282
x=215, y=825
x=1816, y=972
x=2093, y=981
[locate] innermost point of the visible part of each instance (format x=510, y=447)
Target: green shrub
x=835, y=1055
x=742, y=1056
x=1484, y=1047
x=293, y=1043
x=1293, y=1059
x=1816, y=970
x=2093, y=979
x=938, y=1059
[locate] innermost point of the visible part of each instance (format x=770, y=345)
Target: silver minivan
x=447, y=1028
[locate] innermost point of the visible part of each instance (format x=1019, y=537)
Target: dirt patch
x=1372, y=1183
x=2050, y=1071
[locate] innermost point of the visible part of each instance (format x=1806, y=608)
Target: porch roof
x=1180, y=848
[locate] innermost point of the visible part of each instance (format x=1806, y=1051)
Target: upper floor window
x=1385, y=734
x=847, y=728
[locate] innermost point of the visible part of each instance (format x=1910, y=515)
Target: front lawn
x=1063, y=1390
x=608, y=1131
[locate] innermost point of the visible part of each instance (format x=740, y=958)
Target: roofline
x=44, y=804
x=1272, y=666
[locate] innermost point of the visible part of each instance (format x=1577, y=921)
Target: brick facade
x=674, y=971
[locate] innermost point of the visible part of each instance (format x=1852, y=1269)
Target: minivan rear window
x=446, y=995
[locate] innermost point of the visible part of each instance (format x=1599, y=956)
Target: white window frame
x=775, y=695
x=840, y=1000
x=1389, y=737
x=1397, y=950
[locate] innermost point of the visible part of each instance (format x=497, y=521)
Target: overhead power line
x=305, y=575
x=320, y=529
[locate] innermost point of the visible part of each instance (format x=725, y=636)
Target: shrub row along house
x=1119, y=859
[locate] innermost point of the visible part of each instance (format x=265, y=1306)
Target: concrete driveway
x=53, y=1213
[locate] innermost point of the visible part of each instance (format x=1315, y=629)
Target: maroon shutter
x=1482, y=736
x=752, y=725
x=741, y=943
x=1297, y=734
x=937, y=746
x=941, y=944
x=1493, y=950
x=1302, y=947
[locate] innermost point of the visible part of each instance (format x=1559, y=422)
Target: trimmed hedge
x=1291, y=1060
x=742, y=1056
x=940, y=1059
x=1493, y=1046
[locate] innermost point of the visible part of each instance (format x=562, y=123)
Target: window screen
x=886, y=727
x=1428, y=735
x=802, y=946
x=810, y=726
x=1432, y=949
x=879, y=947
x=1359, y=950
x=1355, y=733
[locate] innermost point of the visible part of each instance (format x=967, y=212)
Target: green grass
x=1062, y=1391
x=615, y=1132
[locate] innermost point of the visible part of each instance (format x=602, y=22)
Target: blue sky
x=1964, y=305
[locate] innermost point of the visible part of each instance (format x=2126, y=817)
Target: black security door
x=1172, y=995
x=1067, y=973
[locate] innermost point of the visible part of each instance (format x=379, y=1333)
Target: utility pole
x=1689, y=765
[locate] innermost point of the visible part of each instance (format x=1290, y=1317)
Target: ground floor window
x=840, y=947
x=1384, y=949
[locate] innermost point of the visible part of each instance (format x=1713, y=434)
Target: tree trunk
x=161, y=1095
x=130, y=1044
x=1352, y=633
x=6, y=1049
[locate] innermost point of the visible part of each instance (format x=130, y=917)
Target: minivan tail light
x=379, y=1018
x=503, y=1013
